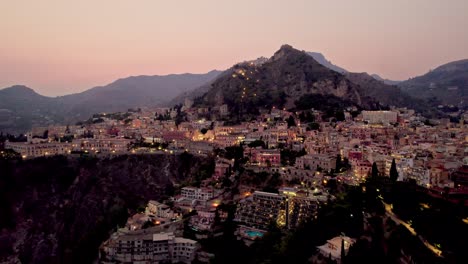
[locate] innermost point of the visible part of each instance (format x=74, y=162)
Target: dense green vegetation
x=288, y=157
x=331, y=105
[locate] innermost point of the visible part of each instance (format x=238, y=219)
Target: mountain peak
x=286, y=50
x=19, y=90
x=320, y=58
x=286, y=47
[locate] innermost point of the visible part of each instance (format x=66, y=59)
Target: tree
x=291, y=122
x=340, y=116
x=393, y=171
x=226, y=182
x=343, y=253
x=217, y=218
x=313, y=126
x=257, y=143
x=46, y=134
x=375, y=171
x=338, y=163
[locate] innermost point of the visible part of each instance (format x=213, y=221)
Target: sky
x=60, y=47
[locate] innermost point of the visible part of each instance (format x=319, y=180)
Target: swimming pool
x=253, y=234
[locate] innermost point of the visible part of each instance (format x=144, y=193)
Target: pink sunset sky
x=59, y=47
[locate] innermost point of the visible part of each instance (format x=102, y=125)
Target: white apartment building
x=324, y=161
x=333, y=247
x=376, y=117
x=159, y=209
x=138, y=247
x=108, y=145
x=201, y=194
x=27, y=150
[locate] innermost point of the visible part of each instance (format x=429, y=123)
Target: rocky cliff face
x=59, y=210
x=287, y=76
x=279, y=82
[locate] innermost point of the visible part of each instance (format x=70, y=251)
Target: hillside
x=280, y=81
x=21, y=107
x=447, y=84
x=289, y=75
x=387, y=94
x=198, y=91
x=320, y=58
x=59, y=209
x=131, y=92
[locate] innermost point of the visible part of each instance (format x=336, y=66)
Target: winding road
x=389, y=213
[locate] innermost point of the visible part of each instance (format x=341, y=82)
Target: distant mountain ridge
x=21, y=107
x=386, y=81
x=447, y=84
x=288, y=75
x=320, y=58
x=134, y=91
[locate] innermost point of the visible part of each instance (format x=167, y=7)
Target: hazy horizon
x=59, y=48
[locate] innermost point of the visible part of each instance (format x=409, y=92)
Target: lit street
x=388, y=209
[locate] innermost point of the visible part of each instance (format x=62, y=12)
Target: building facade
x=138, y=247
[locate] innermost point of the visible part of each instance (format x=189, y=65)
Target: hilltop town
x=277, y=169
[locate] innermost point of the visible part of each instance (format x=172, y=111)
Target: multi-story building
x=223, y=110
x=300, y=208
x=420, y=174
x=384, y=117
x=224, y=141
x=201, y=194
x=140, y=247
x=265, y=157
x=402, y=165
x=201, y=147
x=460, y=176
x=314, y=161
x=204, y=220
x=159, y=209
x=27, y=150
x=172, y=136
x=221, y=169
x=361, y=168
x=262, y=209
x=287, y=209
x=105, y=145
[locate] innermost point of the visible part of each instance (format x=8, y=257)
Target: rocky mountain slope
x=322, y=60
x=388, y=94
x=447, y=84
x=59, y=210
x=289, y=75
